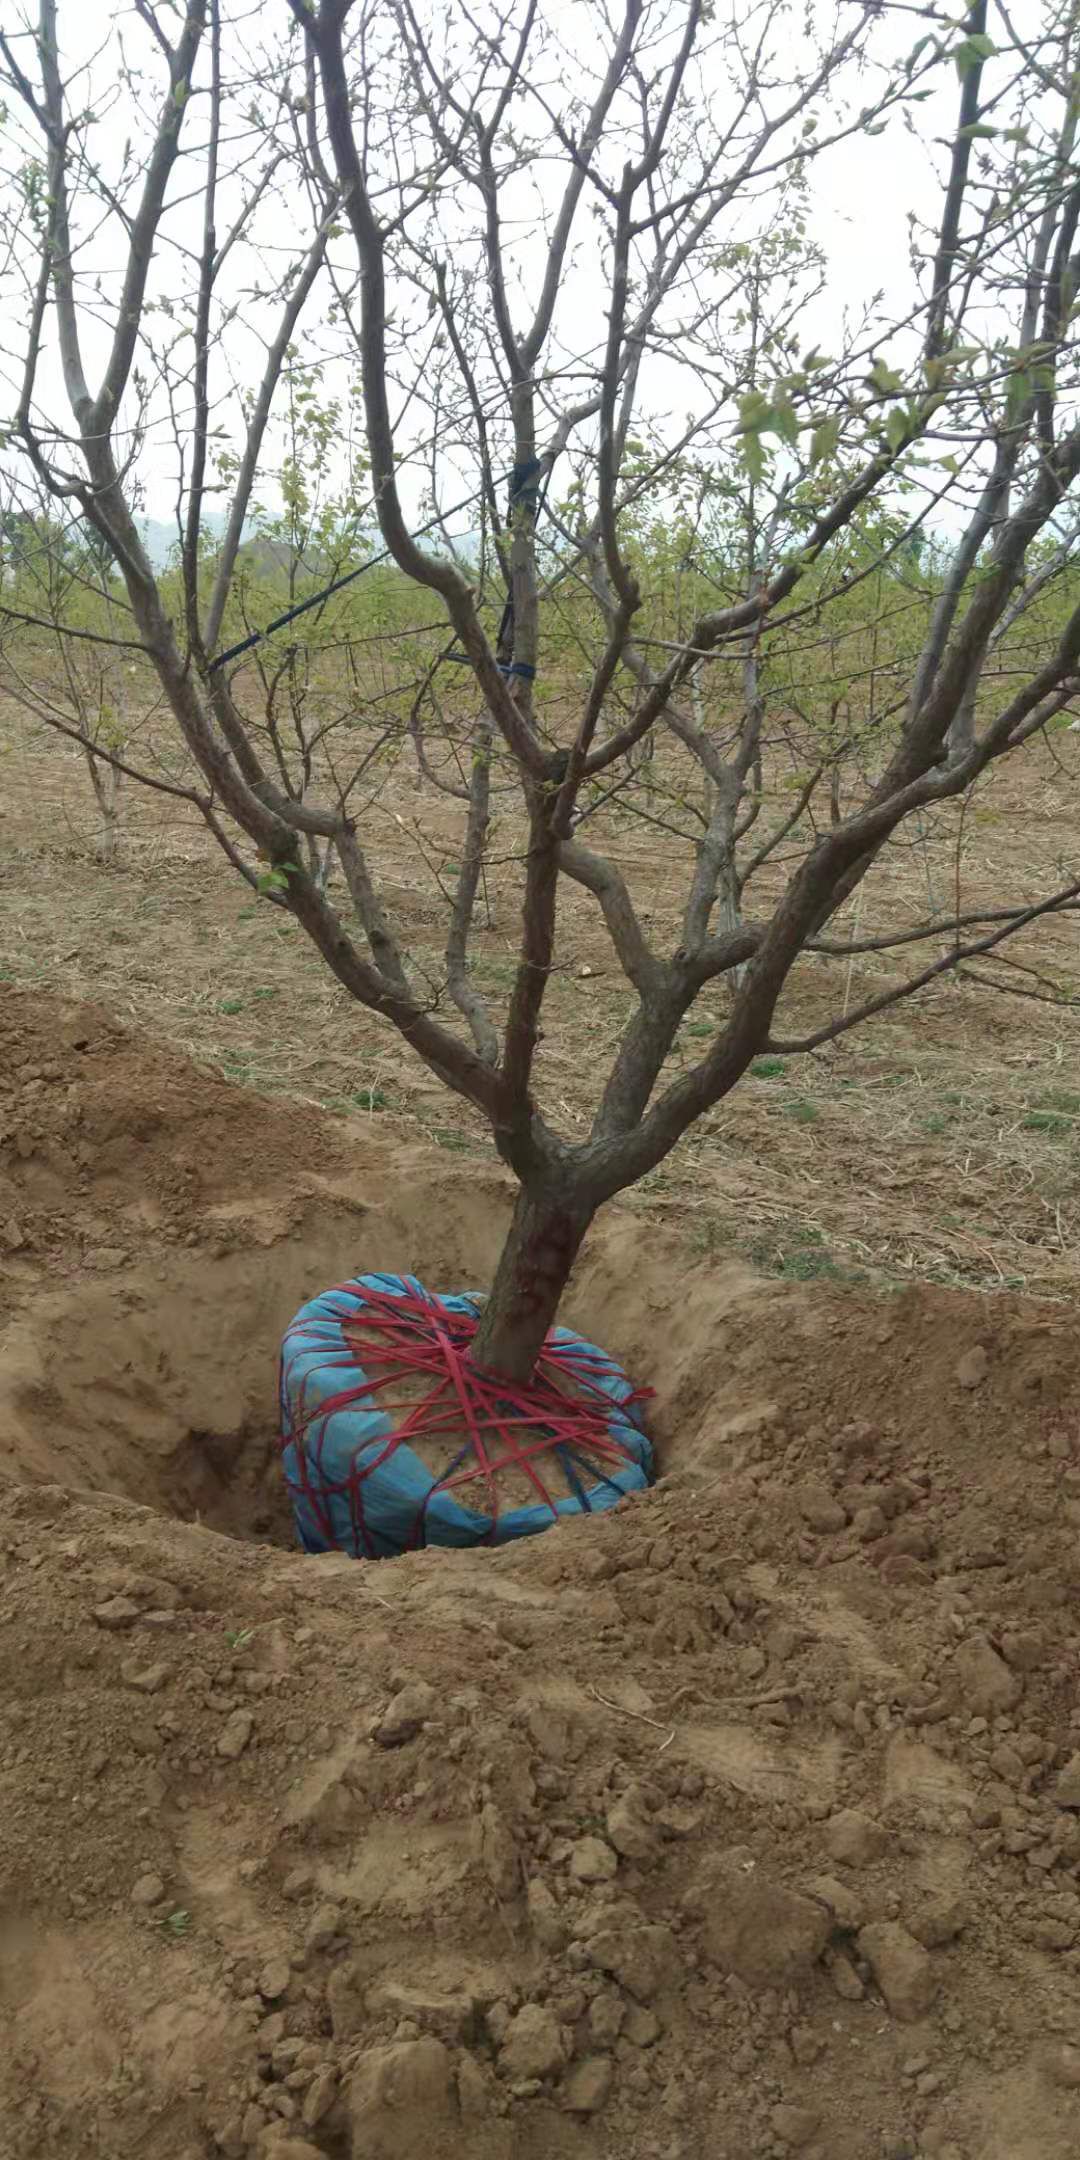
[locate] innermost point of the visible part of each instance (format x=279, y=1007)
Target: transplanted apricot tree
x=555, y=242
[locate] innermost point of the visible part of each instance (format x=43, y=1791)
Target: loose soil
x=741, y=1823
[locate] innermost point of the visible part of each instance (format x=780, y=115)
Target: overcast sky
x=860, y=192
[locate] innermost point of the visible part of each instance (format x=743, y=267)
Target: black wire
x=350, y=578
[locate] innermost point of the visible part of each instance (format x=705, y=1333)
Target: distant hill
x=160, y=537
x=160, y=540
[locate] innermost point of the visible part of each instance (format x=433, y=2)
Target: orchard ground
x=936, y=1142
x=744, y=1822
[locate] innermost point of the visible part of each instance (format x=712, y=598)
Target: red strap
x=507, y=1425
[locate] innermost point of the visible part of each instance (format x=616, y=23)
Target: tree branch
x=942, y=966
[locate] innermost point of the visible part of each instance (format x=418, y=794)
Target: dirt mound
x=740, y=1823
x=104, y=1136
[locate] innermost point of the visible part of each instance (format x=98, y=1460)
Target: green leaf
x=972, y=51
x=977, y=132
x=753, y=452
x=885, y=380
x=895, y=428
x=754, y=408
x=824, y=440
x=1033, y=372
x=784, y=420
x=917, y=52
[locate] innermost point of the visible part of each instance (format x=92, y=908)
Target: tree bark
x=542, y=1245
x=105, y=780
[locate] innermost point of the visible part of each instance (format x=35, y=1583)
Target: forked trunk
x=542, y=1245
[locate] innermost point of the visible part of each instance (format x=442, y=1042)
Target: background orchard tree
x=305, y=534
x=62, y=653
x=555, y=245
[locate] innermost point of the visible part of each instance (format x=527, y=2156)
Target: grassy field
x=939, y=1141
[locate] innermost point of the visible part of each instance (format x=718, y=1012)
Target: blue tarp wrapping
x=354, y=1489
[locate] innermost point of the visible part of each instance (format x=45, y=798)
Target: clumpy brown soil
x=742, y=1823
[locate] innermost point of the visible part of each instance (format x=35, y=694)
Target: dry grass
x=937, y=1141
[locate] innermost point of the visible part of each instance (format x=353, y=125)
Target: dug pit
x=159, y=1385
x=160, y=1228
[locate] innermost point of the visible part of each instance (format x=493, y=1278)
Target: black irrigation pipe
x=522, y=481
x=340, y=584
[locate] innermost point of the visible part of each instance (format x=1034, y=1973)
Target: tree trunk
x=728, y=913
x=961, y=736
x=542, y=1245
x=106, y=784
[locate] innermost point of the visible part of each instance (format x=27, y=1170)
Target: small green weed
x=239, y=1638
x=1048, y=1121
x=802, y=1111
x=811, y=1267
x=801, y=1255
x=177, y=1924
x=369, y=1098
x=231, y=1005
x=710, y=1236
x=768, y=1068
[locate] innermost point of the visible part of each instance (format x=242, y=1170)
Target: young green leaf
x=885, y=380
x=824, y=440
x=972, y=51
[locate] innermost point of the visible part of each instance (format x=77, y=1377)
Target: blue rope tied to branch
x=528, y=489
x=525, y=484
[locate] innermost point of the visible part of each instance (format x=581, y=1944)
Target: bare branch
x=941, y=966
